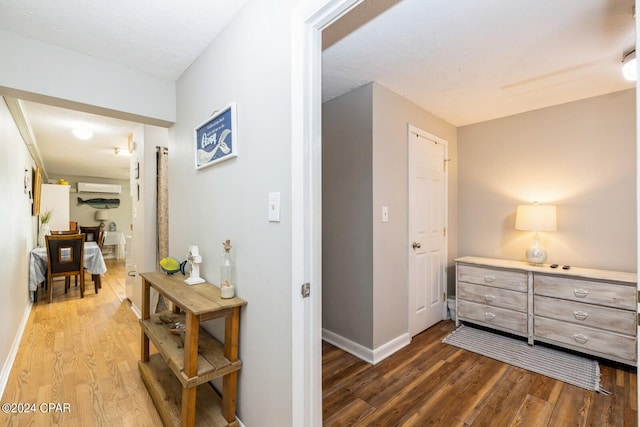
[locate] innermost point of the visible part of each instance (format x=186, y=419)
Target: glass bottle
x=226, y=271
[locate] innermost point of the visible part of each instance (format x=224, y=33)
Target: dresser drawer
x=595, y=316
x=609, y=294
x=507, y=279
x=585, y=339
x=495, y=316
x=492, y=296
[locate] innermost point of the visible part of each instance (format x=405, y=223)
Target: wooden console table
x=173, y=375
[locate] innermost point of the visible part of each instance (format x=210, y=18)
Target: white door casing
x=427, y=229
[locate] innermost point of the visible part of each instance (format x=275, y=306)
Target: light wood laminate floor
x=83, y=355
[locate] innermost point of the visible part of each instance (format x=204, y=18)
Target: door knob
x=416, y=245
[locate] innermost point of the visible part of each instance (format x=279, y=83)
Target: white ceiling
x=472, y=61
x=464, y=61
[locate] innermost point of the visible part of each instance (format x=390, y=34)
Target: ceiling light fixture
x=82, y=133
x=122, y=152
x=629, y=66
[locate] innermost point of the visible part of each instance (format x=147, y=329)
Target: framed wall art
x=216, y=139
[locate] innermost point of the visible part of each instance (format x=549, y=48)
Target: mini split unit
x=89, y=187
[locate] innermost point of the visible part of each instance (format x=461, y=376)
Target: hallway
x=83, y=355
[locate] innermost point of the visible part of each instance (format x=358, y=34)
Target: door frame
x=411, y=132
x=308, y=20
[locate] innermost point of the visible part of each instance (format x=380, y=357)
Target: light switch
x=385, y=214
x=274, y=207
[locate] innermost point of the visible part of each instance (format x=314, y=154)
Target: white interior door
x=427, y=230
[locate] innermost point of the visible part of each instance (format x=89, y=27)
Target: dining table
x=93, y=263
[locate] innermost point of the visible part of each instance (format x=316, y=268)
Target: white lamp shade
x=102, y=215
x=536, y=218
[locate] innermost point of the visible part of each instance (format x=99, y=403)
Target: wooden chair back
x=92, y=233
x=65, y=258
x=58, y=232
x=101, y=237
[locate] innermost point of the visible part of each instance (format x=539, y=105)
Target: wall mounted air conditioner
x=89, y=187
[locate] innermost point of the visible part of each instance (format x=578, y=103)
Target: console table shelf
x=180, y=370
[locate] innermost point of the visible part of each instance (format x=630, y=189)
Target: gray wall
x=580, y=156
x=370, y=124
x=347, y=221
x=248, y=63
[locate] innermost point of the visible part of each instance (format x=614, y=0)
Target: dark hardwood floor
x=429, y=383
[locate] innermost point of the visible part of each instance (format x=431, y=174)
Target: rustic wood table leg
x=144, y=347
x=192, y=324
x=230, y=381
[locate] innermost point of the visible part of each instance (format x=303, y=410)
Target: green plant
x=46, y=216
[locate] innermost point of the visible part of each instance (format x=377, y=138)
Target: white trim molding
x=11, y=358
x=374, y=356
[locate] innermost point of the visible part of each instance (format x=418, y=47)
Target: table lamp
x=536, y=218
x=102, y=216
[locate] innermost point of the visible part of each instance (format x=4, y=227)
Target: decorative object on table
x=102, y=216
x=45, y=230
x=536, y=218
x=100, y=203
x=112, y=226
x=169, y=265
x=194, y=259
x=227, y=290
x=217, y=138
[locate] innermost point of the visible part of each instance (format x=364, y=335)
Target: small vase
x=45, y=230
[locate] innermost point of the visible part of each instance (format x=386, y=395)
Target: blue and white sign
x=216, y=139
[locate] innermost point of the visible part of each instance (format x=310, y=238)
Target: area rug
x=570, y=368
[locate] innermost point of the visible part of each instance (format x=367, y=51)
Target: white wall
x=249, y=63
x=18, y=238
x=44, y=73
x=580, y=156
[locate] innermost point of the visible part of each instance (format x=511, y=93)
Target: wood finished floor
x=83, y=352
x=429, y=383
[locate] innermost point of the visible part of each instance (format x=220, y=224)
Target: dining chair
x=93, y=233
x=65, y=258
x=66, y=232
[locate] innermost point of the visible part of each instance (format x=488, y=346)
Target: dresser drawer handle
x=489, y=278
x=580, y=315
x=489, y=315
x=489, y=297
x=580, y=293
x=580, y=339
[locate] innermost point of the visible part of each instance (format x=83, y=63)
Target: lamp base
x=536, y=254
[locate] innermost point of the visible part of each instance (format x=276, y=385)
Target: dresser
x=587, y=310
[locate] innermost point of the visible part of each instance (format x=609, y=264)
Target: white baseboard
x=368, y=355
x=8, y=364
x=135, y=310
x=390, y=347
